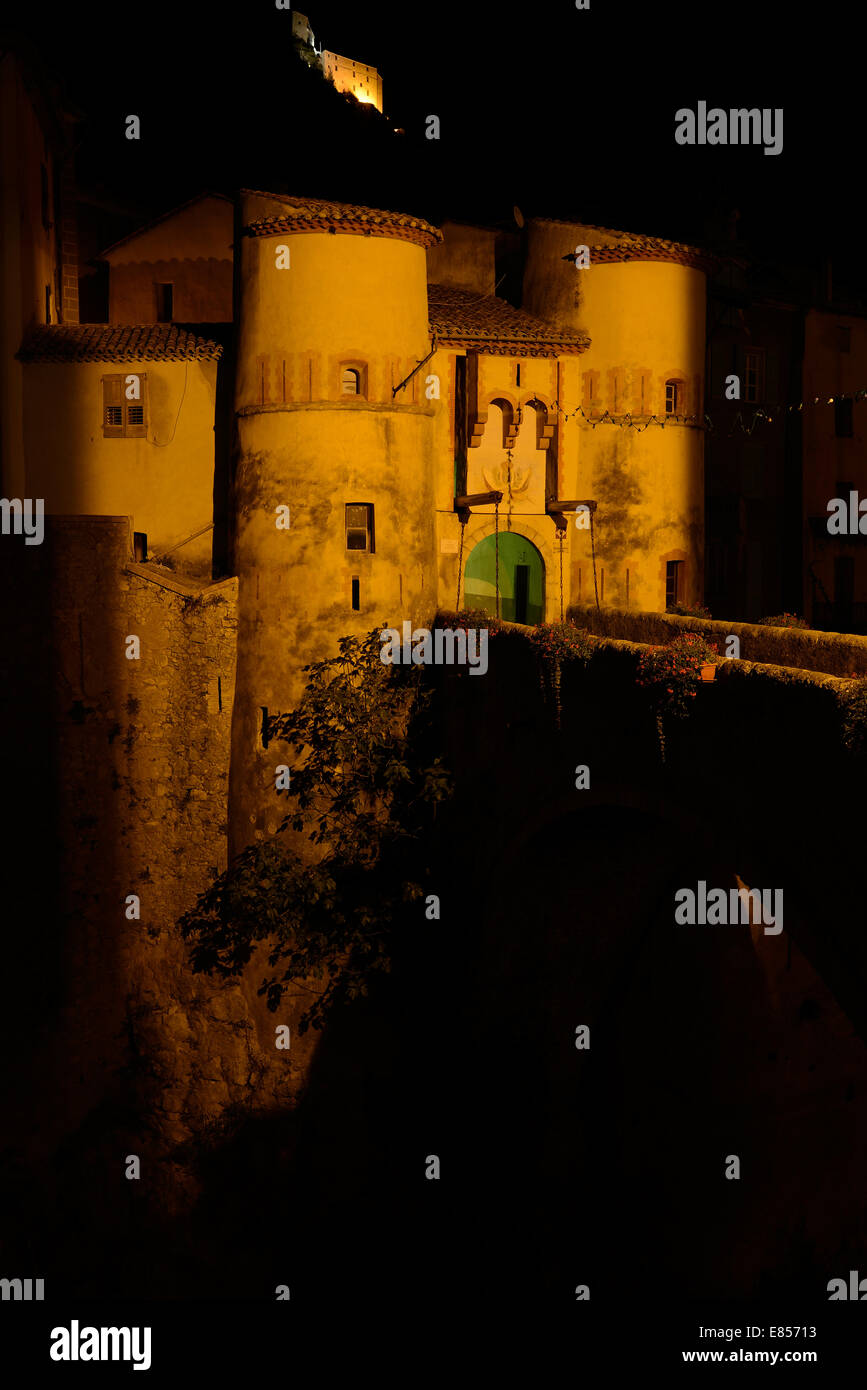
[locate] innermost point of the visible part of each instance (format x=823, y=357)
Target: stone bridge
x=706, y=1041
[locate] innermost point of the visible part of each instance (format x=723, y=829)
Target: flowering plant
x=473, y=618
x=556, y=643
x=783, y=620
x=683, y=610
x=672, y=675
x=562, y=641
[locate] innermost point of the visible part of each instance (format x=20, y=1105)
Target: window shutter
x=136, y=411
x=112, y=407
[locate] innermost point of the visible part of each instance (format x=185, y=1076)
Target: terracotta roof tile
x=317, y=215
x=461, y=318
x=607, y=244
x=113, y=342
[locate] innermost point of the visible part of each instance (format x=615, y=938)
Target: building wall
x=344, y=297
x=465, y=258
x=28, y=254
x=138, y=766
x=830, y=460
x=165, y=482
x=749, y=510
x=545, y=453
x=646, y=320
x=191, y=250
x=363, y=81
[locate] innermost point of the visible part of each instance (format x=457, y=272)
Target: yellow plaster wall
x=343, y=297
x=192, y=250
x=168, y=491
x=542, y=377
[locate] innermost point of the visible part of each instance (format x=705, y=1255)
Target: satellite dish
x=518, y=216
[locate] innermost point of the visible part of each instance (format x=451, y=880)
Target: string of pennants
x=627, y=421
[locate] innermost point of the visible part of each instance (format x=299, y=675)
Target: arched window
x=353, y=378
x=675, y=397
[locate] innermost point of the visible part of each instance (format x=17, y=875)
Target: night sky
x=562, y=112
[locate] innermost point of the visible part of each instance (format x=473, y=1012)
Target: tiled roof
x=608, y=245
x=463, y=319
x=115, y=342
x=315, y=215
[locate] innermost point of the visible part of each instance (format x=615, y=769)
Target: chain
x=497, y=552
x=460, y=567
x=593, y=553
x=561, y=536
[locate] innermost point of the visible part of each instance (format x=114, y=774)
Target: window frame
x=369, y=529
x=673, y=572
x=352, y=364
x=126, y=429
x=679, y=395
x=757, y=356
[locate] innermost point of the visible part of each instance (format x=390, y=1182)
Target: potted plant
x=672, y=675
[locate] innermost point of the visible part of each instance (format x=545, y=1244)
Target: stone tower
x=642, y=301
x=334, y=483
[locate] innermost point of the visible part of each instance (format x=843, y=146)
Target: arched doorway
x=522, y=579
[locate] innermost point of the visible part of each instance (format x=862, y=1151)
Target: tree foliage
x=364, y=793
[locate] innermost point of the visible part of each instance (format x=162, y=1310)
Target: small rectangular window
x=165, y=306
x=123, y=418
x=359, y=526
x=843, y=418
x=672, y=397
x=754, y=376
x=47, y=303
x=673, y=583
x=356, y=594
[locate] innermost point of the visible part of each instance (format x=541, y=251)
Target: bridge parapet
x=836, y=653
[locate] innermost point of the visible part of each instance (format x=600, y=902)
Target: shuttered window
x=123, y=418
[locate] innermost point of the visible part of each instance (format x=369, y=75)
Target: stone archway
x=521, y=578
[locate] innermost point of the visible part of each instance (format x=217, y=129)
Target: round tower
x=642, y=301
x=334, y=484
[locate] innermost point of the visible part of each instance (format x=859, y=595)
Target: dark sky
x=564, y=112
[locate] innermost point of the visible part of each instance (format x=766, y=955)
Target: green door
x=522, y=579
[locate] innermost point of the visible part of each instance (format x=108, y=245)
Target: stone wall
x=118, y=771
x=837, y=654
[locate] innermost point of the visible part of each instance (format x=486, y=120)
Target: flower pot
x=708, y=671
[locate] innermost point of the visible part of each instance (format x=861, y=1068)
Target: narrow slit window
x=165, y=302
x=673, y=582
x=356, y=594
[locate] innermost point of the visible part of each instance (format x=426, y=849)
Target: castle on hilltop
x=347, y=74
